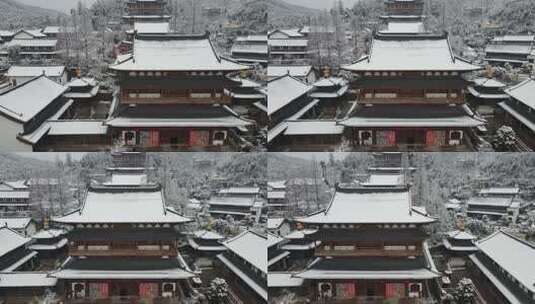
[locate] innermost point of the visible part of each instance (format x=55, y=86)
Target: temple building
x=14, y=199
x=301, y=244
x=373, y=247
x=124, y=241
x=250, y=49
x=415, y=102
x=18, y=74
x=174, y=95
x=145, y=11
x=519, y=111
x=276, y=197
x=288, y=46
x=237, y=202
x=484, y=96
x=404, y=16
x=32, y=49
x=245, y=266
x=23, y=114
x=511, y=49
x=495, y=204
x=502, y=269
x=206, y=243
x=15, y=254
x=50, y=244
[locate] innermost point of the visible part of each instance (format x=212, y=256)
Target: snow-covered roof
x=208, y=235
x=369, y=207
x=283, y=279
x=82, y=82
x=284, y=90
x=404, y=27
x=27, y=100
x=146, y=206
x=4, y=33
x=384, y=180
x=515, y=38
x=34, y=71
x=77, y=127
x=176, y=53
x=500, y=191
x=277, y=184
x=240, y=190
x=11, y=240
x=292, y=70
x=259, y=289
x=57, y=29
x=462, y=121
x=490, y=201
x=299, y=234
x=511, y=254
x=250, y=246
x=398, y=53
x=48, y=233
x=313, y=127
x=151, y=27
x=329, y=82
x=526, y=121
x=276, y=194
x=26, y=279
x=521, y=49
x=523, y=92
x=128, y=180
x=15, y=222
x=461, y=235
x=275, y=222
x=292, y=33
x=241, y=201
x=31, y=43
x=489, y=83
x=255, y=38
x=288, y=42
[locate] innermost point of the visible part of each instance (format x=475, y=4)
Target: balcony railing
x=367, y=252
x=122, y=252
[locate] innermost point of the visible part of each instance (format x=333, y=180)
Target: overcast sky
x=59, y=5
x=320, y=4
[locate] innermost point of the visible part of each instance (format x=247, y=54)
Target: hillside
x=14, y=15
x=282, y=14
x=517, y=16
x=16, y=167
x=283, y=166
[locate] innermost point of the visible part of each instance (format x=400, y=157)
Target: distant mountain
x=15, y=167
x=14, y=15
x=281, y=13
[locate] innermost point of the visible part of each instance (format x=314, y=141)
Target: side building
x=502, y=270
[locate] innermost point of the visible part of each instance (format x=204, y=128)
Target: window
x=344, y=247
x=366, y=138
x=395, y=247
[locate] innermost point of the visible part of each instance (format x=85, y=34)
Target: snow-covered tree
x=504, y=140
x=218, y=291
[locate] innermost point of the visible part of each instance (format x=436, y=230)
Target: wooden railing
x=123, y=252
x=367, y=252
